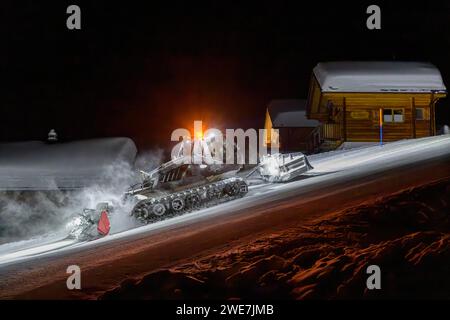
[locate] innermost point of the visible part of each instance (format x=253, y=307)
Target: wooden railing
x=331, y=131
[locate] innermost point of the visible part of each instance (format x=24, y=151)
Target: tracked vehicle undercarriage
x=158, y=208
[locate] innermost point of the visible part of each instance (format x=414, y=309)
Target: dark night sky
x=143, y=69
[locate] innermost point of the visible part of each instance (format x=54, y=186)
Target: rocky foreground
x=407, y=234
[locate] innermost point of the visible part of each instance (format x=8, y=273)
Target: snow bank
x=36, y=165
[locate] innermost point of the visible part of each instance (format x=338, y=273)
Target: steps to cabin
x=328, y=145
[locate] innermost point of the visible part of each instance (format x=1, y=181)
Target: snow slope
x=328, y=168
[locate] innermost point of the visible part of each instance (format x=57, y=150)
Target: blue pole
x=381, y=127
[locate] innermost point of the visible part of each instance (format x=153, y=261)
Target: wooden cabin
x=348, y=98
x=295, y=131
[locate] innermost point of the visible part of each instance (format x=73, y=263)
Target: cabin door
x=422, y=124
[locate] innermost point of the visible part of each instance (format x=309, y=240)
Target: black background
x=166, y=309
x=142, y=69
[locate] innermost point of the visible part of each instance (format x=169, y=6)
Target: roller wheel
x=242, y=188
x=159, y=209
x=192, y=200
x=177, y=204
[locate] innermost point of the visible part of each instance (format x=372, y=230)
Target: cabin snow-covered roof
x=37, y=165
x=378, y=76
x=290, y=113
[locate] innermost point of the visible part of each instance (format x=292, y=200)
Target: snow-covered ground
x=328, y=168
x=36, y=165
x=381, y=155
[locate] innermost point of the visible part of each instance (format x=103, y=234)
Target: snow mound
x=406, y=234
x=36, y=165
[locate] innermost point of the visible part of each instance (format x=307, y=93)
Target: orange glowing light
x=198, y=129
x=199, y=134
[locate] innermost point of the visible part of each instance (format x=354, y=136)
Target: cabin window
x=393, y=115
x=420, y=114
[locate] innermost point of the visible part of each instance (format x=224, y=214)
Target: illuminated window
x=393, y=115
